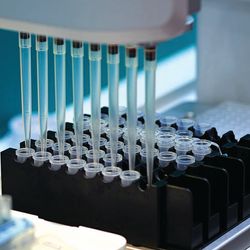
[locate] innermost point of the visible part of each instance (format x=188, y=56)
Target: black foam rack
x=182, y=210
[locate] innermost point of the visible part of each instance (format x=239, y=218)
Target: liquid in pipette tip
x=25, y=70
x=113, y=61
x=95, y=57
x=77, y=74
x=150, y=70
x=131, y=71
x=60, y=90
x=42, y=87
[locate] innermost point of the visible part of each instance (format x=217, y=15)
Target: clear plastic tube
x=201, y=148
x=167, y=120
x=109, y=161
x=120, y=146
x=144, y=154
x=77, y=74
x=126, y=151
x=200, y=128
x=131, y=67
x=39, y=143
x=166, y=157
x=59, y=50
x=150, y=74
x=183, y=145
x=113, y=61
x=91, y=154
x=68, y=135
x=184, y=124
x=85, y=139
x=165, y=141
x=56, y=148
x=74, y=152
x=183, y=161
x=26, y=90
x=95, y=56
x=102, y=143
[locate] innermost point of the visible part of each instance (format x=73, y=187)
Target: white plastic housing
x=106, y=21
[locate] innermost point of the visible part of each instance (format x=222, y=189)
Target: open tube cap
x=200, y=128
x=119, y=145
x=201, y=148
x=183, y=161
x=39, y=143
x=183, y=133
x=166, y=157
x=55, y=147
x=90, y=155
x=108, y=159
x=85, y=138
x=109, y=173
x=74, y=165
x=183, y=145
x=23, y=154
x=56, y=161
x=103, y=142
x=128, y=177
x=166, y=129
x=184, y=124
x=67, y=135
x=92, y=168
x=126, y=150
x=168, y=120
x=77, y=149
x=40, y=157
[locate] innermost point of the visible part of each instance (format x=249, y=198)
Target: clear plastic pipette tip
x=131, y=132
x=113, y=61
x=59, y=50
x=95, y=56
x=77, y=74
x=150, y=73
x=42, y=87
x=26, y=89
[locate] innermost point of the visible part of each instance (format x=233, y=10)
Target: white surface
x=224, y=54
x=109, y=21
x=54, y=236
x=228, y=116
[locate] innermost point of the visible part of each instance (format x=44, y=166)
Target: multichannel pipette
x=131, y=66
x=59, y=50
x=113, y=61
x=150, y=74
x=77, y=74
x=95, y=56
x=42, y=87
x=25, y=70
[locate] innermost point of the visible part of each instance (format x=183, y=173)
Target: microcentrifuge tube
x=95, y=56
x=150, y=75
x=77, y=75
x=113, y=85
x=42, y=87
x=25, y=70
x=131, y=66
x=59, y=50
